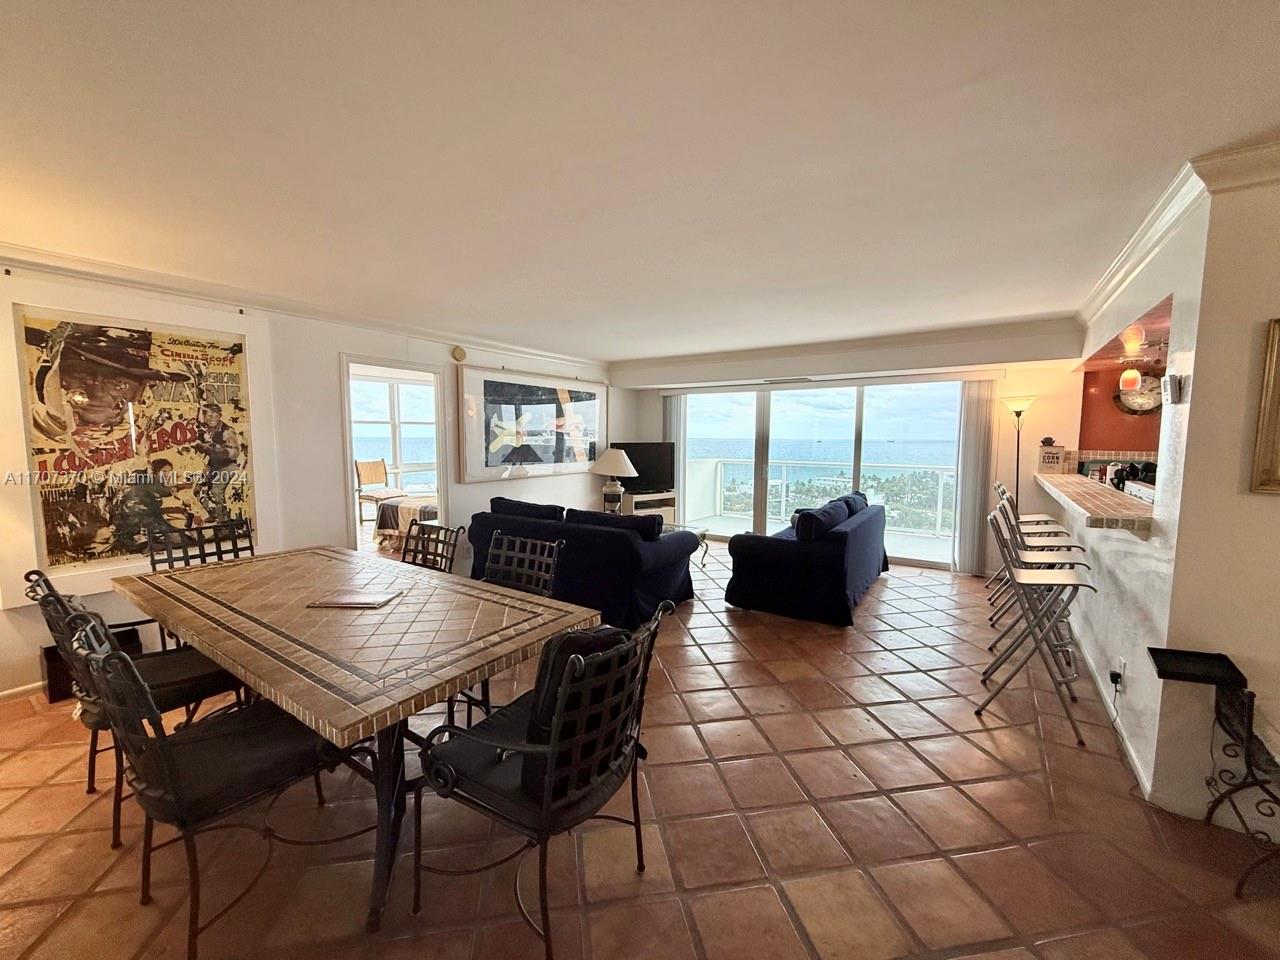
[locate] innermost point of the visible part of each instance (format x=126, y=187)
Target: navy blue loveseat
x=816, y=569
x=605, y=567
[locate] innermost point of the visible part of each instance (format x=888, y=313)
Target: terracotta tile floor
x=811, y=792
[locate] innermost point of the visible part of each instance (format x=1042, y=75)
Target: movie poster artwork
x=132, y=429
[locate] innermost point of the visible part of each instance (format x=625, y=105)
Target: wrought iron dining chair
x=430, y=545
x=551, y=759
x=179, y=679
x=195, y=777
x=520, y=563
x=169, y=548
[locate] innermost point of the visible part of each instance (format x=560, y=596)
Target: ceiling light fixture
x=1131, y=379
x=1132, y=338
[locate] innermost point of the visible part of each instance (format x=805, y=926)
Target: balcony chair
x=373, y=473
x=179, y=679
x=552, y=758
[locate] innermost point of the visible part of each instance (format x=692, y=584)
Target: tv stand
x=662, y=503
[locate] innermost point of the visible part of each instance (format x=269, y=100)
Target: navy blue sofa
x=607, y=568
x=816, y=569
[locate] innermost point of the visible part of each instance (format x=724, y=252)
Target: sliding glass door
x=752, y=458
x=909, y=436
x=720, y=462
x=811, y=443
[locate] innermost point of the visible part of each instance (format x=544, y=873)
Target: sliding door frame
x=677, y=430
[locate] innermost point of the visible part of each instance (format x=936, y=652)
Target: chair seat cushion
x=377, y=496
x=181, y=677
x=233, y=757
x=493, y=777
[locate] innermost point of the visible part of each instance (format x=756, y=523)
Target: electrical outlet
x=1116, y=676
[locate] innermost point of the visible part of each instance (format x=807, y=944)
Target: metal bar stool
x=1044, y=597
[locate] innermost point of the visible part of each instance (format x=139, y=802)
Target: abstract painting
x=523, y=425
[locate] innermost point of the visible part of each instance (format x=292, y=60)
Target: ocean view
x=933, y=453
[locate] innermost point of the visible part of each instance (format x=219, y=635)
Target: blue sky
x=901, y=411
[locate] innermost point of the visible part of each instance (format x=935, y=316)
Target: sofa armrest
x=668, y=549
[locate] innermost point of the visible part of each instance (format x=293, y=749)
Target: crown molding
x=1227, y=170
x=46, y=262
x=1179, y=199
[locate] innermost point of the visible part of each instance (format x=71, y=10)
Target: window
x=897, y=443
x=394, y=420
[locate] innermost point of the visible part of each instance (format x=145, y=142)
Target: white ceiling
x=616, y=180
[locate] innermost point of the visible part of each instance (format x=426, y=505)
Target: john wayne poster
x=132, y=429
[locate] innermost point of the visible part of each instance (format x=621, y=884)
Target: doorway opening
x=396, y=463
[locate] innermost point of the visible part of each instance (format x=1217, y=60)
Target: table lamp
x=613, y=463
x=1017, y=406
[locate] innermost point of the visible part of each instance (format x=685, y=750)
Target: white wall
x=301, y=472
x=1225, y=593
x=1135, y=578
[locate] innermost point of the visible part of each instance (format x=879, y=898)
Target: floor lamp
x=1017, y=406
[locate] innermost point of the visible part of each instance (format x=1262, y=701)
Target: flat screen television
x=654, y=462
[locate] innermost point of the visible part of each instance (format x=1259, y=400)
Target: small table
x=353, y=675
x=699, y=532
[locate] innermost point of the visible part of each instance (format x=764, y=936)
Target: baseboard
x=18, y=692
x=1143, y=776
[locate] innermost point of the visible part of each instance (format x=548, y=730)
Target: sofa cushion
x=856, y=502
x=812, y=524
x=522, y=508
x=649, y=525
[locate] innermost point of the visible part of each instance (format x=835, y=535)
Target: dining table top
x=348, y=673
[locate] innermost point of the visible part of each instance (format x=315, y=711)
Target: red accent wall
x=1104, y=427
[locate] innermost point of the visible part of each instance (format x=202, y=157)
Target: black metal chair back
x=522, y=563
x=209, y=543
x=57, y=610
x=430, y=545
x=136, y=723
x=595, y=731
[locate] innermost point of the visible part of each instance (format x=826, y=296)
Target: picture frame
x=1266, y=447
x=513, y=425
x=130, y=426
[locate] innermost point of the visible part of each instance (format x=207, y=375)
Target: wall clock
x=1145, y=399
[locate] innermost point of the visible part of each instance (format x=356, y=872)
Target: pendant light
x=1131, y=379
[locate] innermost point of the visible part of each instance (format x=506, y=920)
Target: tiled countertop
x=1098, y=504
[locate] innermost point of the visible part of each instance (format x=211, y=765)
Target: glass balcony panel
x=719, y=467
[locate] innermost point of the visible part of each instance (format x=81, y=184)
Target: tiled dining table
x=355, y=676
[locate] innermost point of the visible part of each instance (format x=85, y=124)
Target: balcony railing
x=918, y=499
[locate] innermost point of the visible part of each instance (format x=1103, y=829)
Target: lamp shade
x=1018, y=405
x=1131, y=379
x=614, y=463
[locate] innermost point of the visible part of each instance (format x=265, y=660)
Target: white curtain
x=973, y=476
x=673, y=408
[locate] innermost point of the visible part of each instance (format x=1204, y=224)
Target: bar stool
x=1062, y=558
x=1021, y=541
x=1027, y=518
x=1037, y=527
x=1044, y=595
